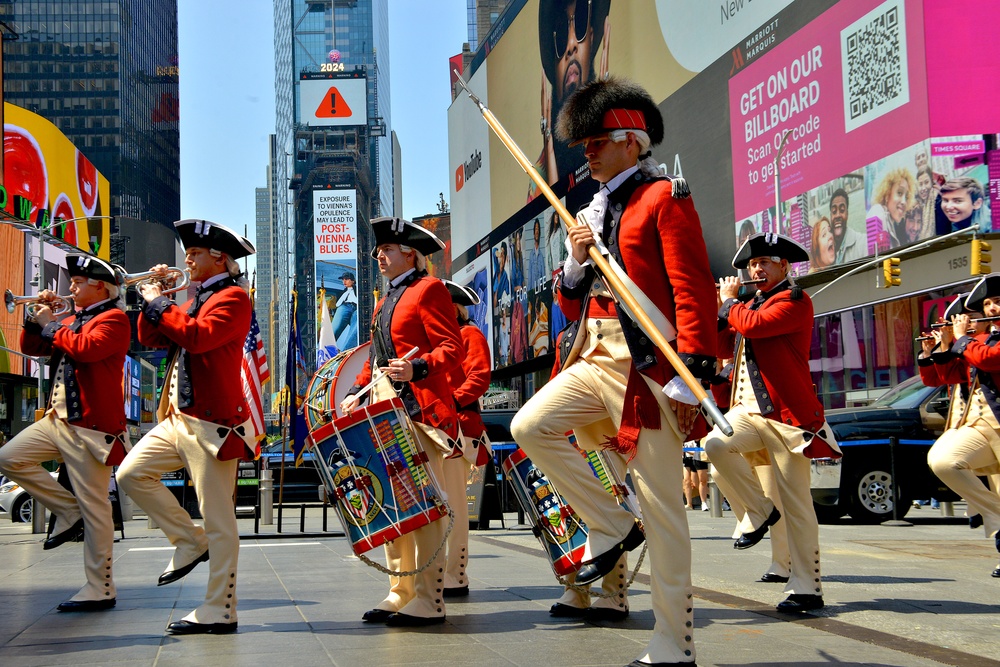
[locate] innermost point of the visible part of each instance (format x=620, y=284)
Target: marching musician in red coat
x=204, y=421
x=971, y=446
x=416, y=311
x=84, y=425
x=614, y=375
x=774, y=407
x=469, y=382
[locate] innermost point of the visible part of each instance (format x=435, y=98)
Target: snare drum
x=561, y=531
x=330, y=384
x=374, y=468
x=562, y=534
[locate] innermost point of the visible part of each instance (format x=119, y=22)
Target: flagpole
x=603, y=266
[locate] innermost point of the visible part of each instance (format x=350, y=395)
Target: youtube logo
x=467, y=170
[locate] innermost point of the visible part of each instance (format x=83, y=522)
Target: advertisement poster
x=336, y=253
x=475, y=275
x=55, y=180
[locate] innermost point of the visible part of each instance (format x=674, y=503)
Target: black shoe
x=975, y=521
x=457, y=592
x=86, y=605
x=68, y=535
x=996, y=573
x=799, y=602
x=605, y=614
x=376, y=615
x=173, y=575
x=772, y=578
x=191, y=628
x=639, y=663
x=560, y=610
x=747, y=540
x=596, y=568
x=399, y=620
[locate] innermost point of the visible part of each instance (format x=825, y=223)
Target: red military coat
x=663, y=251
x=214, y=341
x=424, y=318
x=659, y=241
x=780, y=333
x=97, y=351
x=472, y=380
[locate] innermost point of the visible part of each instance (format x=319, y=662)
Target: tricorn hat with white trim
x=212, y=235
x=92, y=267
x=988, y=286
x=956, y=307
x=461, y=294
x=404, y=232
x=769, y=244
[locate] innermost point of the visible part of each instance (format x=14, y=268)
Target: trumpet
x=180, y=277
x=61, y=305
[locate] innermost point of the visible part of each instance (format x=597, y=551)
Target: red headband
x=624, y=119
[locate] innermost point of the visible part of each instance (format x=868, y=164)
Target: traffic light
x=980, y=259
x=890, y=271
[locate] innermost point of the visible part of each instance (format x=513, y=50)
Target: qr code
x=873, y=53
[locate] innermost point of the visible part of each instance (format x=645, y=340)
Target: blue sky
x=227, y=101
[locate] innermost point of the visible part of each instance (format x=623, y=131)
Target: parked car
x=861, y=483
x=14, y=500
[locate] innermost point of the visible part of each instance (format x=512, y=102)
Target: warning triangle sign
x=333, y=105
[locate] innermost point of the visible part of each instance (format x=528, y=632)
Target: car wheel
x=871, y=496
x=21, y=510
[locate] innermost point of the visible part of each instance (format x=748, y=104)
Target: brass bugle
x=754, y=281
x=61, y=305
x=180, y=277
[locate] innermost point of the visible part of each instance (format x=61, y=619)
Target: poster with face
x=538, y=288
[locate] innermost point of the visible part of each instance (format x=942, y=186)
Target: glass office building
x=308, y=35
x=106, y=74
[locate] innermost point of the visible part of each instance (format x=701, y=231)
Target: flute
x=754, y=281
x=921, y=339
x=939, y=325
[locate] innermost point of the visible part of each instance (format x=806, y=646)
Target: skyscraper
x=106, y=74
x=329, y=40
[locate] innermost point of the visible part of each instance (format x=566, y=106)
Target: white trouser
x=52, y=438
x=172, y=445
x=589, y=391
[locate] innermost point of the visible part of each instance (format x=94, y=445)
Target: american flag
x=254, y=373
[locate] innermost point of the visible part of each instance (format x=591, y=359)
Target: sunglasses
x=580, y=25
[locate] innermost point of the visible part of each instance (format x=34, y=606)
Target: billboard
x=860, y=88
x=133, y=390
x=335, y=233
x=334, y=102
x=47, y=177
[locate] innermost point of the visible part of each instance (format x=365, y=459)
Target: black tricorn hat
x=212, y=235
x=552, y=11
x=404, y=232
x=988, y=286
x=769, y=244
x=612, y=104
x=89, y=266
x=461, y=294
x=956, y=307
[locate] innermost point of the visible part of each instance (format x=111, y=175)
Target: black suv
x=896, y=429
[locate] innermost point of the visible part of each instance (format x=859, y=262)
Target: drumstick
x=381, y=374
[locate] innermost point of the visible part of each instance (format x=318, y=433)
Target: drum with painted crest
x=562, y=533
x=375, y=470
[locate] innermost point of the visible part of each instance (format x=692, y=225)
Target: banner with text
x=335, y=225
